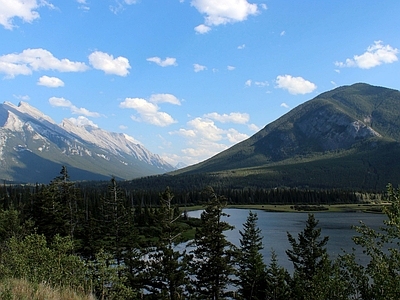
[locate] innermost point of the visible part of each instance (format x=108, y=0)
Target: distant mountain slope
x=349, y=131
x=33, y=148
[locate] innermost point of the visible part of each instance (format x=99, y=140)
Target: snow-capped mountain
x=33, y=148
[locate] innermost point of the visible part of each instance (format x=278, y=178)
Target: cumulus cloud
x=218, y=12
x=375, y=55
x=164, y=98
x=169, y=61
x=82, y=121
x=230, y=68
x=52, y=82
x=26, y=10
x=248, y=82
x=198, y=68
x=205, y=138
x=30, y=60
x=202, y=29
x=62, y=102
x=295, y=85
x=235, y=117
x=148, y=111
x=110, y=65
x=241, y=47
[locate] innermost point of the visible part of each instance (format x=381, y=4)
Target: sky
x=190, y=78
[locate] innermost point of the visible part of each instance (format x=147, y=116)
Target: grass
x=20, y=289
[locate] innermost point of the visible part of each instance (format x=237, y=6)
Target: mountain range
x=33, y=148
x=345, y=138
x=348, y=137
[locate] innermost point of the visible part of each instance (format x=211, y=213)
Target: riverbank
x=368, y=207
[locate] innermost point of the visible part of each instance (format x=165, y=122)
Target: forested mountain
x=345, y=138
x=33, y=146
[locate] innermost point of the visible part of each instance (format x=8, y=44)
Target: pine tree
x=310, y=260
x=251, y=273
x=278, y=280
x=212, y=258
x=166, y=266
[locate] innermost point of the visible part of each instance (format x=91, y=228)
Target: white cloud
x=22, y=97
x=375, y=55
x=295, y=85
x=206, y=129
x=30, y=60
x=248, y=82
x=219, y=12
x=169, y=61
x=110, y=65
x=82, y=121
x=83, y=5
x=204, y=138
x=261, y=83
x=164, y=98
x=23, y=9
x=231, y=68
x=283, y=33
x=283, y=104
x=149, y=112
x=253, y=127
x=235, y=136
x=62, y=102
x=202, y=29
x=52, y=82
x=130, y=2
x=235, y=117
x=198, y=68
x=241, y=47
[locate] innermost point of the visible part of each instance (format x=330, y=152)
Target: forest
x=117, y=243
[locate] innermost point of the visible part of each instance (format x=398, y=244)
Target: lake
x=275, y=225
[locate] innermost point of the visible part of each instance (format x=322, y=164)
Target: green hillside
x=345, y=138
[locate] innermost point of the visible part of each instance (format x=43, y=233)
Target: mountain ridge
x=28, y=137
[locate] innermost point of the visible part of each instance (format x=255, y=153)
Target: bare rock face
x=334, y=131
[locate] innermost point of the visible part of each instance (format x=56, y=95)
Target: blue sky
x=190, y=78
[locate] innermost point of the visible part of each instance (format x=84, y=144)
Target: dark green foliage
x=166, y=269
x=278, y=281
x=212, y=259
x=251, y=268
x=380, y=278
x=310, y=261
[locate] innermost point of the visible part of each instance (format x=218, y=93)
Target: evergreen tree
x=212, y=258
x=278, y=280
x=380, y=278
x=310, y=261
x=166, y=266
x=113, y=221
x=251, y=273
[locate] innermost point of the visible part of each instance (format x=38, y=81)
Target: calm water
x=274, y=226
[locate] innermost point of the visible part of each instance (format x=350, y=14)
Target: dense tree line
x=107, y=243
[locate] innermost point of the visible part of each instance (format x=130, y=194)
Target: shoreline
x=290, y=208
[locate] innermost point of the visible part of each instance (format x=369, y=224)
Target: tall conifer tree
x=212, y=258
x=310, y=261
x=251, y=273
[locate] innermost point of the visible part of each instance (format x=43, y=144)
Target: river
x=275, y=225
